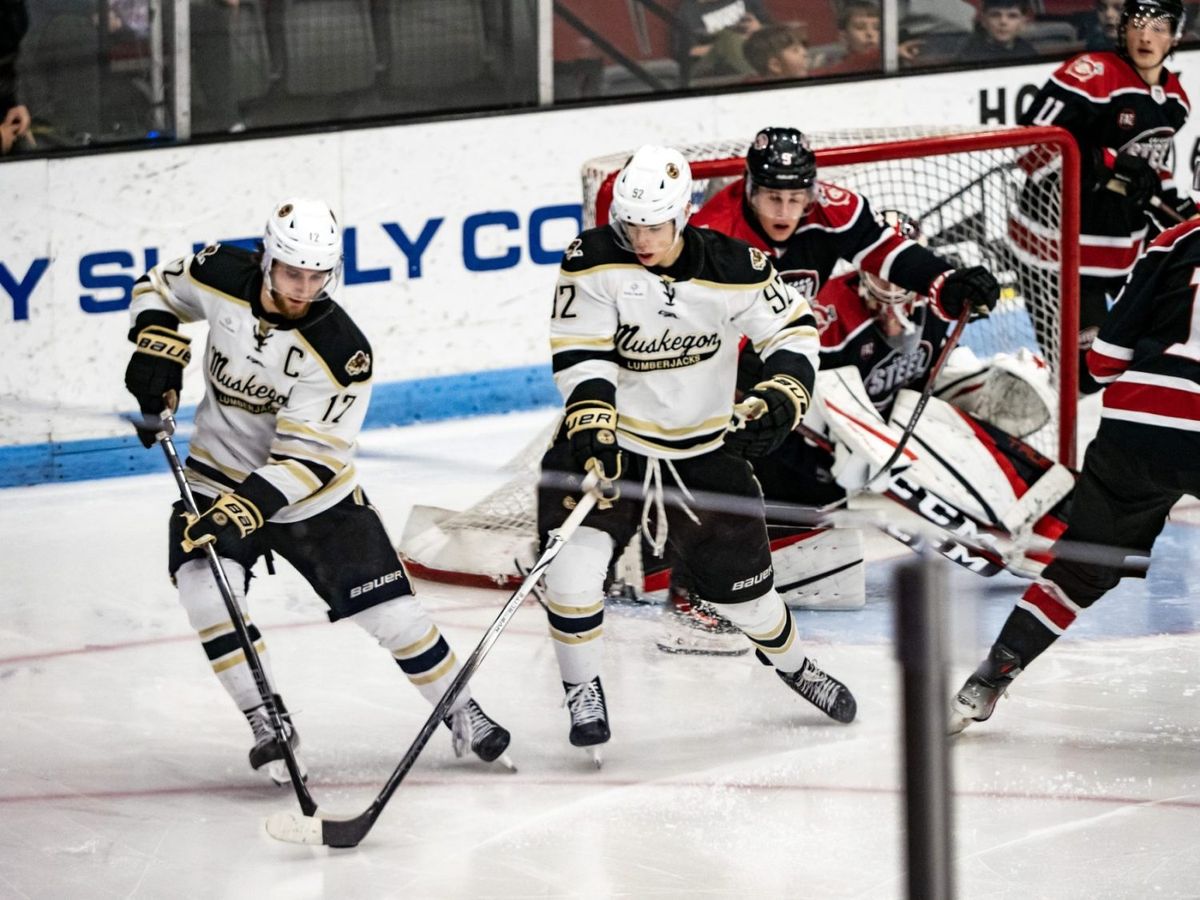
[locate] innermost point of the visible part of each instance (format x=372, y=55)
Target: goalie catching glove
x=228, y=514
x=769, y=412
x=592, y=431
x=155, y=368
x=953, y=290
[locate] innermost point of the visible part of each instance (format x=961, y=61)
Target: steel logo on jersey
x=805, y=281
x=896, y=370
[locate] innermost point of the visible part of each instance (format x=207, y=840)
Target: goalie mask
x=304, y=233
x=893, y=307
x=653, y=188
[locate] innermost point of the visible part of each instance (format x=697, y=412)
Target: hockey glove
x=230, y=518
x=1135, y=178
x=592, y=431
x=155, y=368
x=771, y=410
x=953, y=290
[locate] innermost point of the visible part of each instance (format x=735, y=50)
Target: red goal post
x=1007, y=198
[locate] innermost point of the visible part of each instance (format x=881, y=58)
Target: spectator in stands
x=777, y=52
x=709, y=35
x=214, y=90
x=858, y=29
x=14, y=126
x=998, y=31
x=1101, y=31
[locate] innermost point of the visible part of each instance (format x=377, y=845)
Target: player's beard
x=288, y=307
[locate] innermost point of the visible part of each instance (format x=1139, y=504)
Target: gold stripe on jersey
x=303, y=450
x=807, y=332
x=563, y=273
x=434, y=674
x=150, y=288
x=652, y=448
x=568, y=342
x=286, y=426
x=303, y=503
x=301, y=473
x=209, y=289
x=627, y=423
x=726, y=286
x=325, y=366
x=207, y=458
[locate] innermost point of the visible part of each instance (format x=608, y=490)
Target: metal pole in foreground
x=920, y=638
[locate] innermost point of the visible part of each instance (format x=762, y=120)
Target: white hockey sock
x=402, y=626
x=575, y=595
x=201, y=599
x=770, y=625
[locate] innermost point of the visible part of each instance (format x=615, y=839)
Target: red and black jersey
x=1101, y=99
x=838, y=225
x=1148, y=349
x=849, y=337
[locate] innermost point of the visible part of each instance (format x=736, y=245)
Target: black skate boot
x=823, y=691
x=471, y=727
x=266, y=750
x=976, y=700
x=589, y=716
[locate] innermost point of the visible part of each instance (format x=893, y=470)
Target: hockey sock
x=575, y=602
x=1042, y=614
x=771, y=626
x=402, y=626
x=201, y=599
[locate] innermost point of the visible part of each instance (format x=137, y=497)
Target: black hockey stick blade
x=348, y=831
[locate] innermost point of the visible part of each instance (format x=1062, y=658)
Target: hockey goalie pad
x=1011, y=391
x=821, y=569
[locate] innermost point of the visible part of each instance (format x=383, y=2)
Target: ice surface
x=123, y=770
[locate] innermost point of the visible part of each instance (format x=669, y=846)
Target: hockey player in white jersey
x=271, y=459
x=644, y=334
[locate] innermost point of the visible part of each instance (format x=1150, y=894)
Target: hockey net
x=975, y=195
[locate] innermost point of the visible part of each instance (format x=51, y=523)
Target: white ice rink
x=123, y=764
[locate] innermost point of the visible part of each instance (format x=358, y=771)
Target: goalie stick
x=923, y=400
x=348, y=831
x=307, y=804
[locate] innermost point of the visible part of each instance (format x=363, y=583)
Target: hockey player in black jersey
x=1145, y=457
x=1124, y=108
x=271, y=459
x=644, y=334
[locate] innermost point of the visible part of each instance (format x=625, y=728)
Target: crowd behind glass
x=99, y=72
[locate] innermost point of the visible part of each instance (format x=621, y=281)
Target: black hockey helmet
x=1153, y=9
x=780, y=158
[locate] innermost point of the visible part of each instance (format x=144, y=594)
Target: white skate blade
x=958, y=724
x=278, y=771
x=505, y=761
x=595, y=755
x=294, y=828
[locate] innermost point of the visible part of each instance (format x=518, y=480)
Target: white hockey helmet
x=654, y=187
x=304, y=233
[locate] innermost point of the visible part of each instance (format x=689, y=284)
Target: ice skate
x=589, y=716
x=977, y=698
x=472, y=728
x=823, y=691
x=695, y=627
x=266, y=750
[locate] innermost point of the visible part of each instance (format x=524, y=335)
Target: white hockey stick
x=348, y=831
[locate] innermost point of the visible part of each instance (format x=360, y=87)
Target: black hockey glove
x=953, y=290
x=592, y=430
x=155, y=368
x=770, y=410
x=230, y=518
x=1135, y=178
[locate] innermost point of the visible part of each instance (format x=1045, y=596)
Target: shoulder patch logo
x=758, y=259
x=574, y=249
x=1086, y=67
x=832, y=195
x=284, y=211
x=672, y=170
x=358, y=364
x=825, y=314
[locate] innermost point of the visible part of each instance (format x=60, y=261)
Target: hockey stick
x=334, y=831
x=1117, y=186
x=923, y=400
x=307, y=805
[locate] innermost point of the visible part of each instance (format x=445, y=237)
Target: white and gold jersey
x=667, y=339
x=284, y=399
